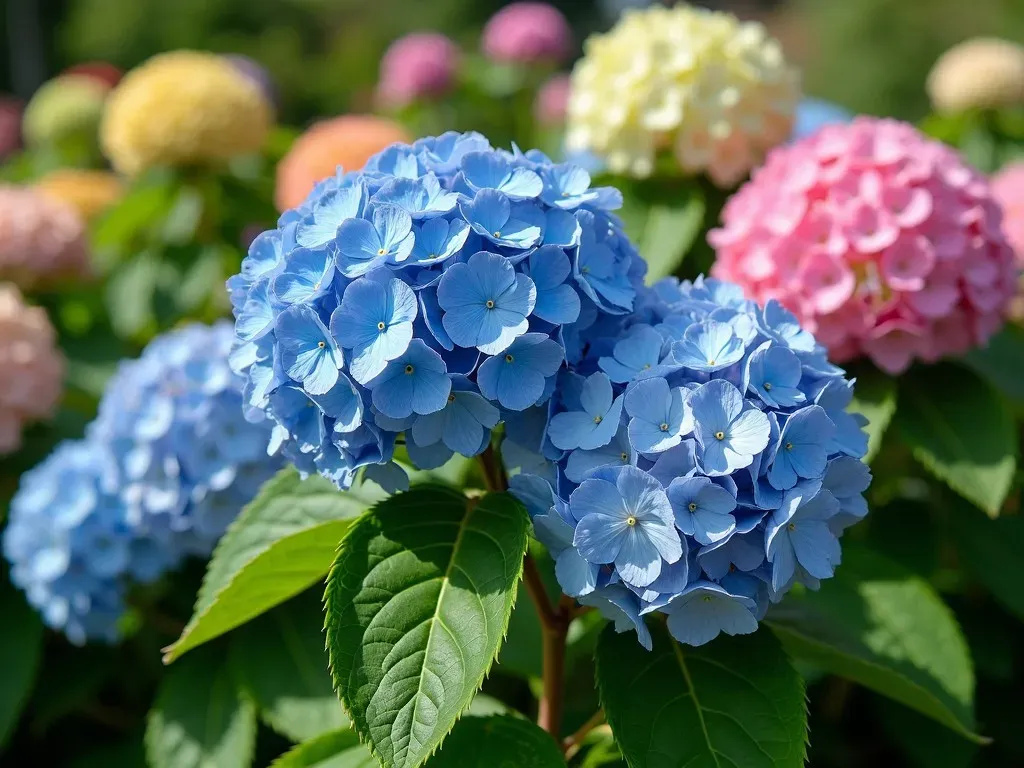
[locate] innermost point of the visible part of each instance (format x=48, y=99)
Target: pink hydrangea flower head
x=417, y=66
x=552, y=99
x=1008, y=190
x=883, y=242
x=42, y=239
x=526, y=33
x=33, y=367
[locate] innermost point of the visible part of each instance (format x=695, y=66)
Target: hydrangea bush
x=166, y=465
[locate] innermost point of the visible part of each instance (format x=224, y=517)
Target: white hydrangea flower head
x=981, y=73
x=716, y=91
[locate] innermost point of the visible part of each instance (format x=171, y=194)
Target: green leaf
x=417, y=603
x=280, y=661
x=736, y=701
x=880, y=625
x=130, y=292
x=184, y=216
x=991, y=550
x=672, y=225
x=21, y=645
x=1002, y=361
x=280, y=544
x=961, y=430
x=337, y=749
x=875, y=398
x=499, y=741
x=199, y=720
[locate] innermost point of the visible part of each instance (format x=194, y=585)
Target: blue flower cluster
x=697, y=461
x=166, y=465
x=434, y=293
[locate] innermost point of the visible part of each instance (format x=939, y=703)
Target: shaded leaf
x=736, y=701
x=991, y=550
x=199, y=719
x=875, y=398
x=1001, y=361
x=417, y=604
x=280, y=544
x=21, y=646
x=280, y=661
x=336, y=749
x=961, y=430
x=669, y=232
x=130, y=292
x=499, y=741
x=882, y=626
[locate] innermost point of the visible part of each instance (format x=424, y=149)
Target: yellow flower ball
x=182, y=108
x=714, y=90
x=88, y=192
x=67, y=108
x=983, y=73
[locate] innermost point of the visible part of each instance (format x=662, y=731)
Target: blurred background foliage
x=869, y=55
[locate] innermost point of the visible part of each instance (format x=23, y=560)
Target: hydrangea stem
x=571, y=745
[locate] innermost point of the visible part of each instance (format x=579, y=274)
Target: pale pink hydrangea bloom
x=33, y=368
x=551, y=101
x=526, y=33
x=420, y=65
x=42, y=240
x=1008, y=190
x=881, y=241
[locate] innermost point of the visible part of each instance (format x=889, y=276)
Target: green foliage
x=664, y=218
x=880, y=625
x=336, y=749
x=199, y=719
x=961, y=430
x=281, y=543
x=20, y=648
x=280, y=662
x=992, y=551
x=874, y=398
x=735, y=701
x=417, y=605
x=1002, y=362
x=499, y=741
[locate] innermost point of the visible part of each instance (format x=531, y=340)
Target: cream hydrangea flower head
x=714, y=90
x=180, y=108
x=982, y=73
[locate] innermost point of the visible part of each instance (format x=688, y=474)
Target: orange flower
x=348, y=141
x=88, y=192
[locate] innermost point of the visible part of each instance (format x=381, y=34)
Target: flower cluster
x=432, y=294
x=981, y=73
x=89, y=192
x=716, y=91
x=527, y=32
x=165, y=467
x=347, y=141
x=552, y=99
x=183, y=107
x=42, y=240
x=33, y=368
x=1008, y=190
x=881, y=241
x=420, y=65
x=697, y=462
x=65, y=110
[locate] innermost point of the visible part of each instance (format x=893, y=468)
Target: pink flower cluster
x=42, y=240
x=881, y=241
x=1008, y=190
x=552, y=100
x=526, y=33
x=420, y=65
x=33, y=368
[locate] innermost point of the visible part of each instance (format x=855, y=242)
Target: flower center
x=789, y=446
x=321, y=344
x=497, y=233
x=692, y=506
x=708, y=598
x=432, y=256
x=711, y=362
x=585, y=270
x=565, y=194
x=489, y=304
x=767, y=386
x=624, y=456
x=451, y=398
x=647, y=367
x=631, y=521
x=381, y=251
x=509, y=358
x=720, y=435
x=598, y=419
x=409, y=369
x=791, y=526
x=316, y=286
x=381, y=326
x=663, y=427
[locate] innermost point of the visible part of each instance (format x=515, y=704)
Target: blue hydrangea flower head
x=729, y=434
x=443, y=289
x=167, y=464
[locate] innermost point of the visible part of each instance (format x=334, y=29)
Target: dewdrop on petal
x=88, y=192
x=182, y=108
x=881, y=241
x=714, y=91
x=32, y=365
x=982, y=73
x=347, y=141
x=42, y=240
